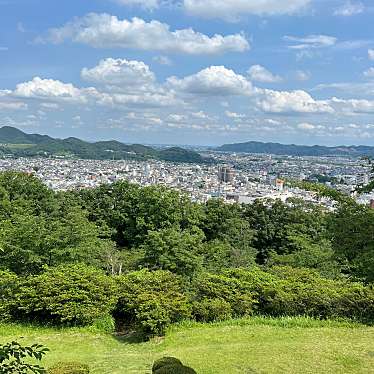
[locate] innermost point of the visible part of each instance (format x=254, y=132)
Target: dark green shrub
x=232, y=291
x=304, y=291
x=297, y=291
x=73, y=294
x=8, y=286
x=210, y=310
x=69, y=368
x=175, y=369
x=165, y=361
x=152, y=300
x=171, y=365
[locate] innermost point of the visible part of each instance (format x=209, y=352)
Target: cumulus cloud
x=271, y=101
x=48, y=89
x=310, y=41
x=120, y=73
x=351, y=106
x=213, y=81
x=371, y=54
x=350, y=9
x=106, y=31
x=233, y=9
x=260, y=74
x=369, y=73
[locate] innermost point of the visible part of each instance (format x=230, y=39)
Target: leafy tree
x=174, y=250
x=276, y=223
x=130, y=211
x=29, y=242
x=319, y=256
x=223, y=223
x=351, y=229
x=13, y=358
x=26, y=191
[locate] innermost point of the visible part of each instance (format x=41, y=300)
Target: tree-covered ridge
x=18, y=143
x=149, y=257
x=297, y=150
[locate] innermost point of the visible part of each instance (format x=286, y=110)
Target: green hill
x=20, y=144
x=297, y=150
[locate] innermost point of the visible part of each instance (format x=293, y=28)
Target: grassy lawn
x=255, y=345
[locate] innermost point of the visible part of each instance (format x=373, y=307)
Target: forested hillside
x=19, y=144
x=148, y=257
x=297, y=150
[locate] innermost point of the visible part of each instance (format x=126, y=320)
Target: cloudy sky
x=189, y=71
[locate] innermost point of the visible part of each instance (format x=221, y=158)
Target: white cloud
x=369, y=73
x=352, y=106
x=366, y=88
x=106, y=31
x=12, y=105
x=302, y=76
x=48, y=88
x=163, y=60
x=49, y=106
x=200, y=115
x=177, y=118
x=147, y=4
x=233, y=9
x=271, y=121
x=350, y=9
x=311, y=41
x=126, y=74
x=234, y=115
x=213, y=81
x=260, y=74
x=306, y=126
x=291, y=102
x=371, y=54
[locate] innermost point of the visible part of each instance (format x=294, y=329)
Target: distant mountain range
x=297, y=150
x=17, y=143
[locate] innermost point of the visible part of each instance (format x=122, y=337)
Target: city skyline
x=189, y=71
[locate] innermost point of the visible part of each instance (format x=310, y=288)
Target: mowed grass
x=255, y=345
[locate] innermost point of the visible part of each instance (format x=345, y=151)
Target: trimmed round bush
x=171, y=365
x=175, y=369
x=69, y=294
x=69, y=368
x=166, y=361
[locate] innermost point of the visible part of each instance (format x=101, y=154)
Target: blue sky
x=189, y=71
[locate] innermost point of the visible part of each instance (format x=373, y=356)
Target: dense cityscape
x=240, y=178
